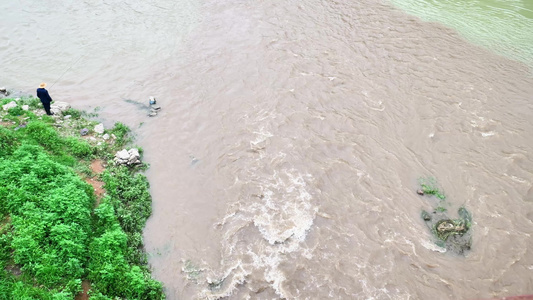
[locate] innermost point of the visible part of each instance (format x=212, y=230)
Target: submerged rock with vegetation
x=56, y=234
x=454, y=234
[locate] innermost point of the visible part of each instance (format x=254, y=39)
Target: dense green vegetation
x=52, y=234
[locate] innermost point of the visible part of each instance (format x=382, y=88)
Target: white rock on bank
x=106, y=137
x=58, y=107
x=122, y=154
x=25, y=107
x=99, y=128
x=134, y=156
x=128, y=157
x=9, y=105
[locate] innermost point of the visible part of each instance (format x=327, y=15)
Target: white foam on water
x=282, y=220
x=237, y=276
x=261, y=139
x=431, y=246
x=487, y=134
x=262, y=228
x=272, y=274
x=292, y=216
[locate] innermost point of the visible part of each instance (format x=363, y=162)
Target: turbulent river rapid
x=285, y=160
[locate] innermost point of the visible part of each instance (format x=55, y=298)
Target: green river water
x=504, y=26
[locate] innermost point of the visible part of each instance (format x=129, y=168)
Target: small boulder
x=99, y=128
x=134, y=156
x=58, y=107
x=122, y=155
x=127, y=157
x=25, y=107
x=106, y=136
x=4, y=92
x=67, y=117
x=9, y=105
x=84, y=131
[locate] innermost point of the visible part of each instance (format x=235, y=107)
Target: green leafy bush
x=49, y=229
x=16, y=111
x=44, y=135
x=74, y=113
x=6, y=101
x=110, y=270
x=8, y=142
x=33, y=102
x=132, y=201
x=50, y=209
x=121, y=131
x=38, y=132
x=79, y=148
x=117, y=252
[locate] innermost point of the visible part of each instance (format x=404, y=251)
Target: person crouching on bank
x=45, y=98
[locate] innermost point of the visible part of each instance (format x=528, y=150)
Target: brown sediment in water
x=327, y=108
x=337, y=107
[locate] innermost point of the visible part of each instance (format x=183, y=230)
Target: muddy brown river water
x=284, y=163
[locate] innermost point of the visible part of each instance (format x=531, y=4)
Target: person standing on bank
x=42, y=93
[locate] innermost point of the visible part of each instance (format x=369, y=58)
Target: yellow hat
x=42, y=85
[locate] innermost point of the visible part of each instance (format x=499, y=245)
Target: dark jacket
x=43, y=95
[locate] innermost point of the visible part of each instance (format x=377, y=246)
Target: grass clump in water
x=429, y=186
